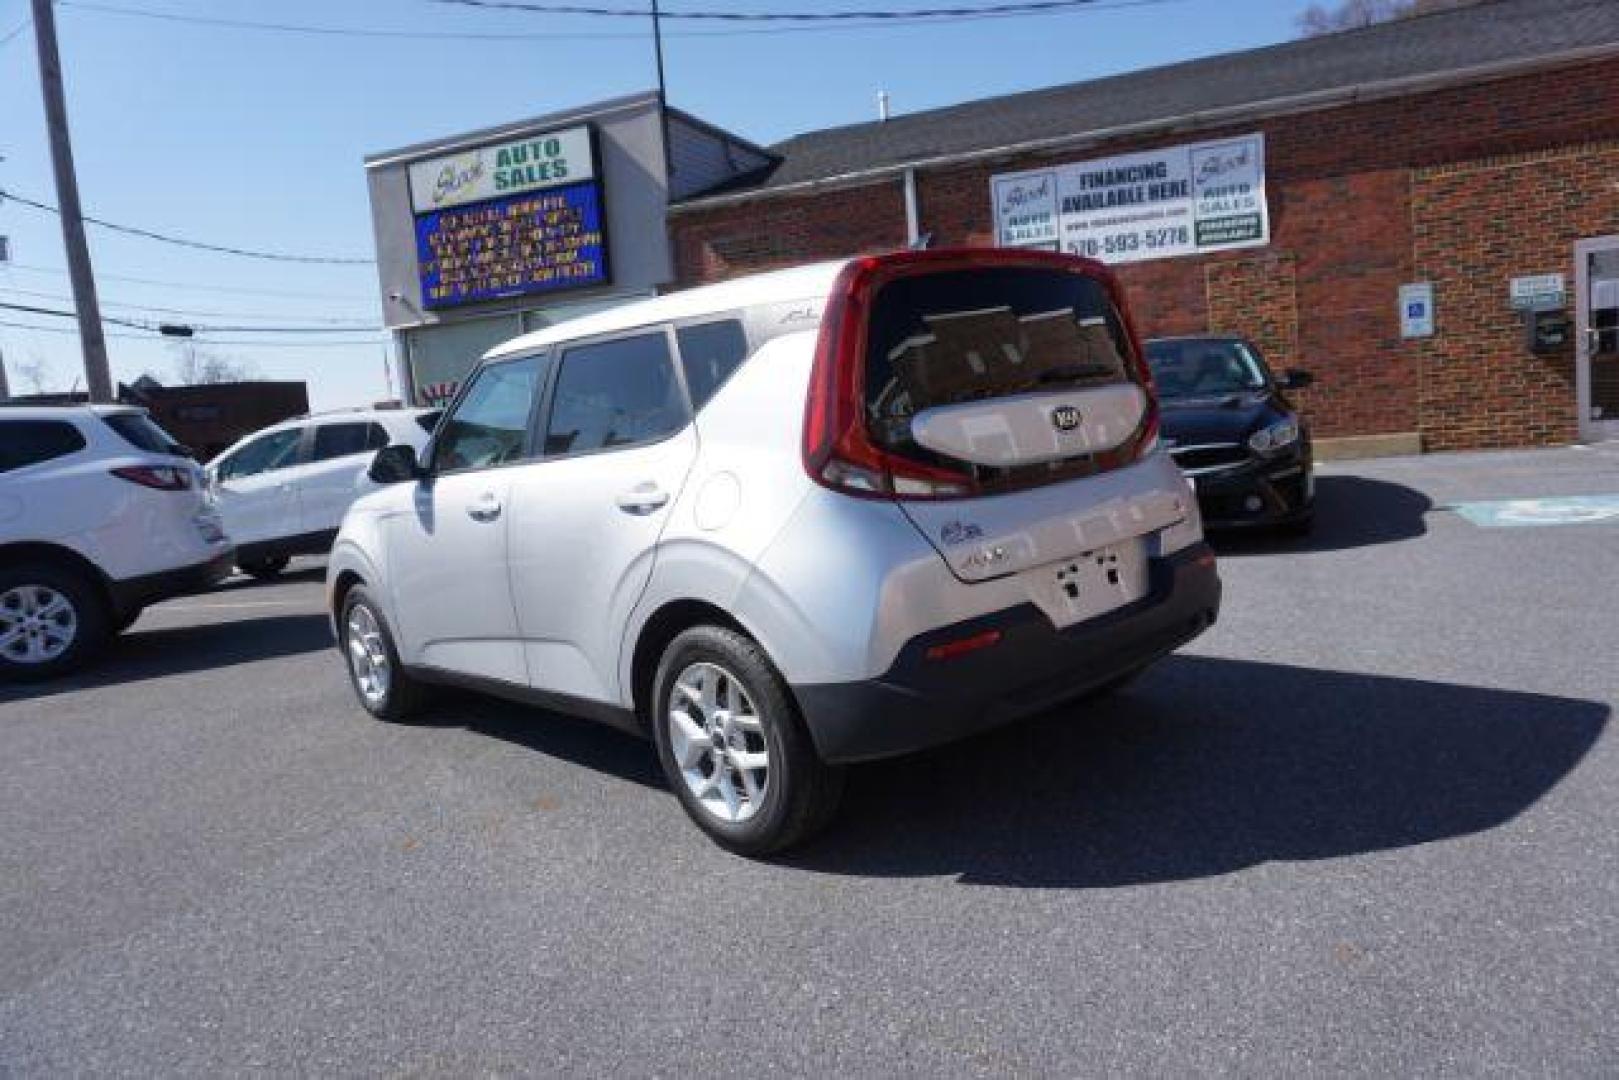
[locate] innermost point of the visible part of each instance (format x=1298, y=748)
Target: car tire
x=264, y=569
x=53, y=619
x=719, y=706
x=384, y=688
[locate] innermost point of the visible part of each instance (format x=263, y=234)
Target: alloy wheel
x=37, y=624
x=718, y=742
x=368, y=655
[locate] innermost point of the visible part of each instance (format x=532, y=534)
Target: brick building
x=1472, y=154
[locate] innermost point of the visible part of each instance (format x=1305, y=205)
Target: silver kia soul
x=789, y=522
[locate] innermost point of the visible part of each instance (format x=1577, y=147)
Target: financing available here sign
x=1180, y=200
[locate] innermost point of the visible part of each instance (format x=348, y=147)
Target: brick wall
x=1360, y=197
x=712, y=245
x=1476, y=225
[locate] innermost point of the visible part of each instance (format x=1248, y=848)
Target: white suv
x=790, y=522
x=283, y=491
x=101, y=513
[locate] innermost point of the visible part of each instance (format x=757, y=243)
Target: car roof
x=774, y=287
x=9, y=411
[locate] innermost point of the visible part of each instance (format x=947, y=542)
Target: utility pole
x=663, y=96
x=97, y=372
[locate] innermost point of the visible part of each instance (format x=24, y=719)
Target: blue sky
x=256, y=139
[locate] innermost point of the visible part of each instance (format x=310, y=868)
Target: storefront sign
x=512, y=246
x=1416, y=310
x=532, y=163
x=1538, y=291
x=1181, y=200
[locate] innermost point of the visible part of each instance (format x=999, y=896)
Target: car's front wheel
x=385, y=690
x=733, y=747
x=52, y=620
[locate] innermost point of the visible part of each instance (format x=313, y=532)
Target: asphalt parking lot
x=1366, y=824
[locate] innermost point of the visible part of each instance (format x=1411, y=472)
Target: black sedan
x=1229, y=426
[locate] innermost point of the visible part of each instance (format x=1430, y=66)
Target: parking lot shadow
x=1205, y=767
x=1350, y=512
x=152, y=654
x=570, y=738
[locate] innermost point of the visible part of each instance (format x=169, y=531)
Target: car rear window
x=969, y=335
x=427, y=421
x=344, y=440
x=29, y=442
x=142, y=432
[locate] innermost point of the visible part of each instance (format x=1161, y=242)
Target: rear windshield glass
x=427, y=421
x=969, y=335
x=142, y=432
x=1204, y=368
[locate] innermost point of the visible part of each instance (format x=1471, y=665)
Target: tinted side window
x=276, y=450
x=142, y=432
x=29, y=442
x=709, y=354
x=490, y=425
x=340, y=440
x=376, y=436
x=615, y=394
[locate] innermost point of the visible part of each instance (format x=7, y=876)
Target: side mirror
x=394, y=465
x=1296, y=379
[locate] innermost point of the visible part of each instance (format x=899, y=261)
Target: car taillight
x=838, y=449
x=159, y=477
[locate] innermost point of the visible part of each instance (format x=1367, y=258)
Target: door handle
x=487, y=508
x=643, y=499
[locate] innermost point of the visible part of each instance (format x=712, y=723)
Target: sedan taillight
x=159, y=477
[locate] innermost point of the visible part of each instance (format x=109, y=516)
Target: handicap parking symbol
x=1553, y=510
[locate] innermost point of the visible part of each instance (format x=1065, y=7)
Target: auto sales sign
x=1180, y=200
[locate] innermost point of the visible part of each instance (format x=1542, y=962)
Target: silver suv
x=789, y=522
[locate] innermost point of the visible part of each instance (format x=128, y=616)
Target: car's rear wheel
x=264, y=569
x=733, y=747
x=52, y=620
x=385, y=690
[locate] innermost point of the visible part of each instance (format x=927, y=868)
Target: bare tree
x=1353, y=14
x=36, y=375
x=198, y=367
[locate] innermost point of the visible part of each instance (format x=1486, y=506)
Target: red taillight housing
x=839, y=452
x=157, y=477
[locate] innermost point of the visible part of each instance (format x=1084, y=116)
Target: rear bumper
x=131, y=594
x=919, y=703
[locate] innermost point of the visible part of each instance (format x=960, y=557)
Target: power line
x=155, y=328
x=57, y=271
x=206, y=340
x=273, y=256
x=639, y=35
x=14, y=31
x=1014, y=7
x=32, y=310
x=161, y=310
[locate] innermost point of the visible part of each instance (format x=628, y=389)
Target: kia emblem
x=1065, y=417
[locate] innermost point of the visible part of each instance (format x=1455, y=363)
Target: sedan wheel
x=368, y=656
x=37, y=624
x=719, y=742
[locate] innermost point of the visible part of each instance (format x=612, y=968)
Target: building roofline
x=1280, y=106
x=517, y=129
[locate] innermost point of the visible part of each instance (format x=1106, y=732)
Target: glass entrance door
x=1596, y=316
